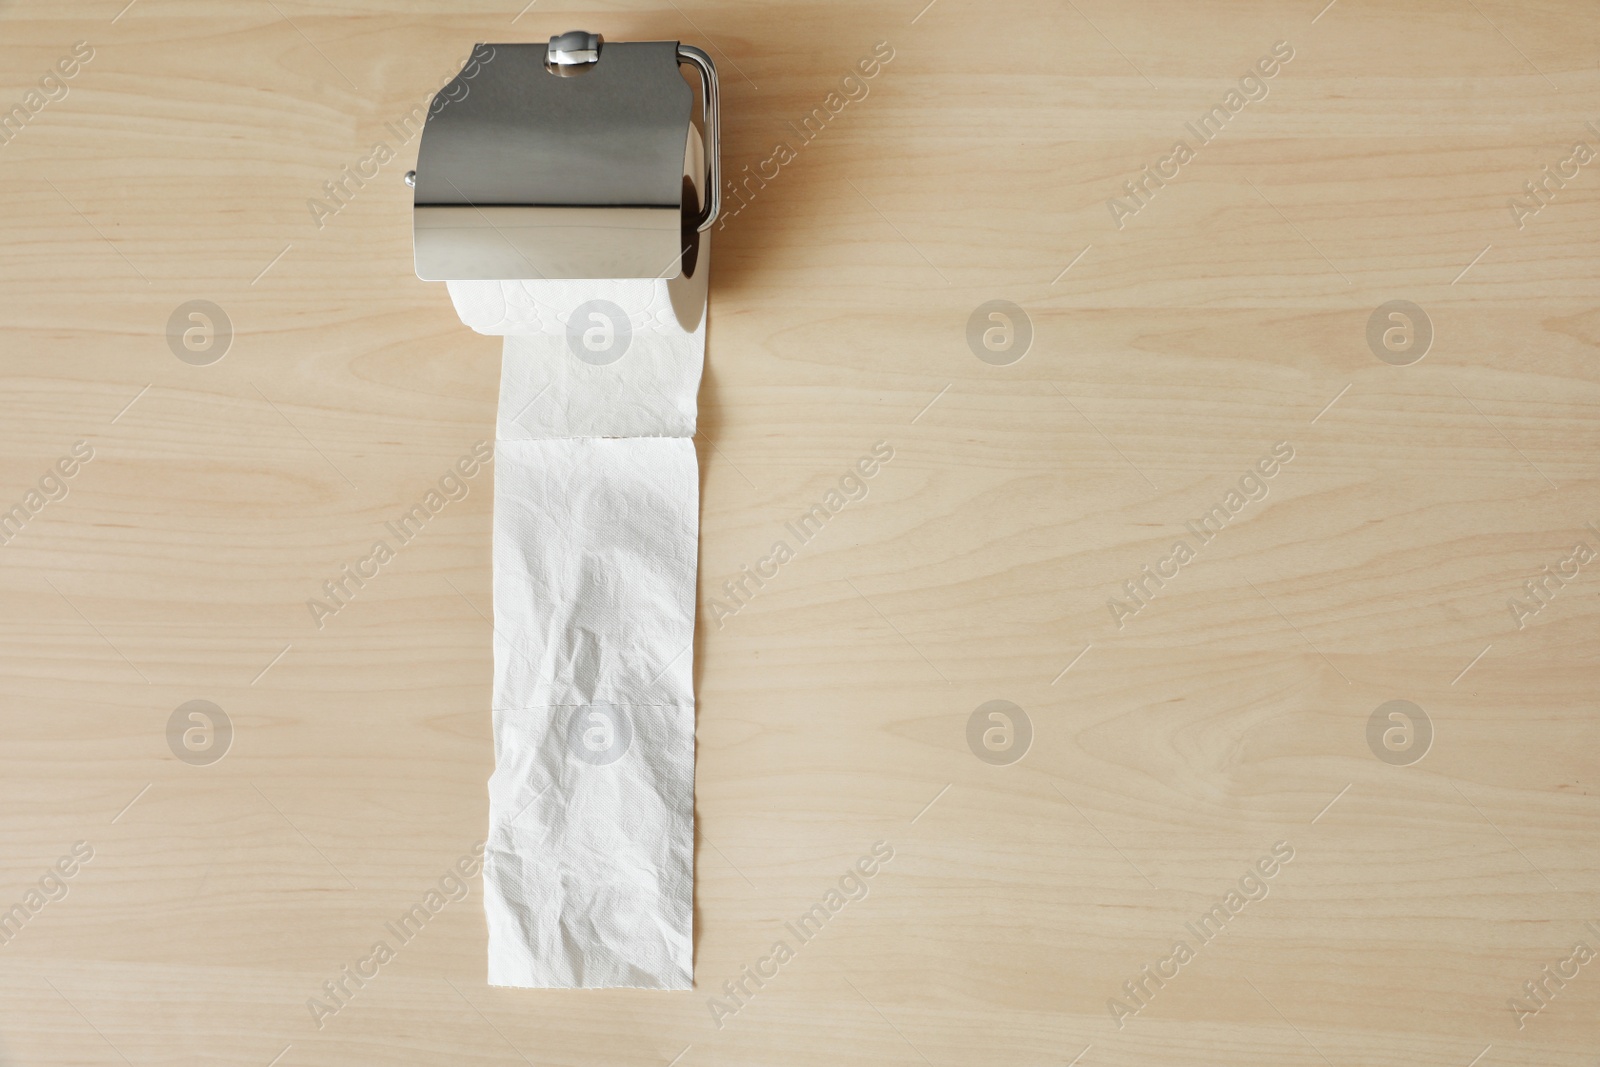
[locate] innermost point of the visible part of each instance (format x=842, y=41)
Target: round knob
x=572, y=53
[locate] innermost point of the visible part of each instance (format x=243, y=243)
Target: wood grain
x=1169, y=754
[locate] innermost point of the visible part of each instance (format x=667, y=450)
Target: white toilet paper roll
x=589, y=870
x=594, y=359
x=507, y=307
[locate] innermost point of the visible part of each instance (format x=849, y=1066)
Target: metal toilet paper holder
x=565, y=160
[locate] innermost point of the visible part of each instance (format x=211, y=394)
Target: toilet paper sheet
x=589, y=870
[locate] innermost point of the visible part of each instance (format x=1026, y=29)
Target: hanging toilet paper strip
x=589, y=870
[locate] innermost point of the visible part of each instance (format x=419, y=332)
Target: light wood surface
x=1228, y=314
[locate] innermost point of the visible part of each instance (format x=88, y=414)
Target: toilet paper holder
x=566, y=160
